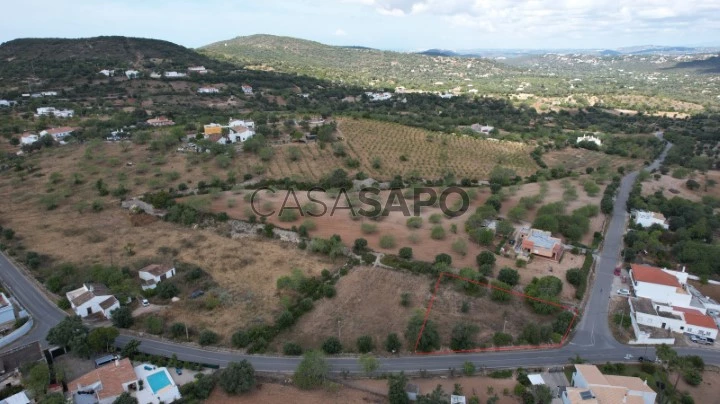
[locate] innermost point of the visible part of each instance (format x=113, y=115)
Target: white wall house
x=240, y=134
x=240, y=122
x=58, y=133
x=155, y=75
x=107, y=73
x=49, y=93
x=172, y=75
x=29, y=138
x=7, y=311
x=19, y=398
x=132, y=74
x=673, y=318
x=589, y=138
x=647, y=219
x=208, y=90
x=151, y=275
x=92, y=298
x=197, y=69
x=590, y=385
x=247, y=89
x=660, y=286
x=58, y=113
x=378, y=96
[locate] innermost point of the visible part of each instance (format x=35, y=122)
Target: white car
x=623, y=292
x=145, y=303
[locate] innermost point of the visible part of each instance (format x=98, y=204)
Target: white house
x=49, y=93
x=160, y=121
x=92, y=298
x=104, y=384
x=484, y=129
x=19, y=398
x=155, y=75
x=132, y=74
x=159, y=385
x=240, y=133
x=197, y=69
x=240, y=122
x=589, y=385
x=107, y=73
x=247, y=89
x=29, y=138
x=589, y=138
x=378, y=96
x=4, y=103
x=58, y=133
x=7, y=311
x=172, y=75
x=208, y=90
x=660, y=286
x=647, y=219
x=151, y=275
x=58, y=113
x=672, y=318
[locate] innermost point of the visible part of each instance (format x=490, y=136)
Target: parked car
x=623, y=292
x=700, y=340
x=196, y=294
x=145, y=302
x=178, y=371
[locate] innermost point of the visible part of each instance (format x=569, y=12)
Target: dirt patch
x=278, y=393
x=671, y=187
x=708, y=290
x=579, y=159
x=619, y=305
x=707, y=389
x=483, y=387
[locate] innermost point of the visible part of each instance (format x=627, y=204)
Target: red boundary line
x=494, y=349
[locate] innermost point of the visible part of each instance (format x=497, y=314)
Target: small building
x=484, y=129
x=590, y=386
x=132, y=74
x=660, y=285
x=647, y=219
x=155, y=75
x=58, y=133
x=15, y=358
x=7, y=310
x=107, y=73
x=672, y=318
x=152, y=274
x=541, y=243
x=19, y=398
x=208, y=90
x=160, y=121
x=378, y=96
x=58, y=113
x=91, y=299
x=174, y=75
x=247, y=89
x=457, y=399
x=240, y=134
x=241, y=122
x=106, y=383
x=413, y=391
x=6, y=103
x=212, y=129
x=589, y=138
x=197, y=69
x=29, y=138
x=49, y=93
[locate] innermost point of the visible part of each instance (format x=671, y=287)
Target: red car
x=617, y=271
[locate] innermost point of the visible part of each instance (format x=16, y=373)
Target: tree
x=485, y=257
x=311, y=371
x=443, y=258
x=122, y=317
x=292, y=349
x=509, y=276
x=38, y=379
x=71, y=333
x=543, y=395
x=131, y=348
x=125, y=398
x=393, y=343
x=238, y=377
x=360, y=245
x=482, y=236
x=692, y=185
x=505, y=228
x=337, y=179
x=102, y=339
x=365, y=344
x=406, y=253
x=430, y=338
x=166, y=290
x=463, y=336
x=396, y=389
x=500, y=291
x=368, y=363
x=332, y=346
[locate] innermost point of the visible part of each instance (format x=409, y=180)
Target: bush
x=460, y=246
x=359, y=245
x=288, y=215
x=443, y=259
x=166, y=290
x=414, y=222
x=292, y=349
x=437, y=233
x=387, y=241
x=502, y=339
x=63, y=303
x=393, y=343
x=122, y=317
x=406, y=253
x=509, y=276
x=501, y=374
x=154, y=325
x=240, y=339
x=237, y=377
x=332, y=346
x=177, y=330
x=369, y=258
x=485, y=257
x=498, y=294
x=435, y=218
x=405, y=299
x=468, y=368
x=365, y=344
x=368, y=228
x=574, y=276
x=207, y=337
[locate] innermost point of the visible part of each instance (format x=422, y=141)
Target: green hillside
x=58, y=59
x=357, y=65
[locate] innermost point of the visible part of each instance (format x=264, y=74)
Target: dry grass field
x=671, y=186
x=574, y=159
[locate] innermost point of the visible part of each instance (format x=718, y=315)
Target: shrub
x=240, y=339
x=332, y=346
x=207, y=337
x=288, y=215
x=437, y=233
x=486, y=270
x=460, y=246
x=359, y=245
x=443, y=259
x=574, y=276
x=63, y=303
x=509, y=276
x=502, y=339
x=393, y=343
x=369, y=258
x=166, y=290
x=485, y=257
x=468, y=368
x=365, y=344
x=501, y=374
x=122, y=317
x=292, y=349
x=154, y=325
x=368, y=228
x=435, y=218
x=406, y=253
x=405, y=299
x=498, y=294
x=387, y=241
x=177, y=330
x=414, y=222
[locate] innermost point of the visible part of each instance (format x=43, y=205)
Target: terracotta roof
x=54, y=131
x=83, y=298
x=156, y=269
x=215, y=137
x=99, y=289
x=608, y=394
x=631, y=383
x=648, y=274
x=239, y=129
x=591, y=374
x=687, y=310
x=700, y=320
x=112, y=376
x=109, y=302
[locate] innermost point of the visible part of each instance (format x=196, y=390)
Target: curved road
x=592, y=339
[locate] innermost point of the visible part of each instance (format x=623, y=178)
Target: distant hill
x=439, y=52
x=55, y=59
x=350, y=64
x=705, y=66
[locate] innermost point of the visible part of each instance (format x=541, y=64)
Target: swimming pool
x=158, y=381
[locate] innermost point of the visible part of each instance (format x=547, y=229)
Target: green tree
x=166, y=290
x=71, y=333
x=462, y=336
x=406, y=253
x=332, y=346
x=238, y=377
x=393, y=343
x=37, y=379
x=124, y=398
x=365, y=344
x=102, y=339
x=430, y=338
x=130, y=349
x=312, y=371
x=396, y=389
x=485, y=258
x=122, y=317
x=509, y=276
x=368, y=363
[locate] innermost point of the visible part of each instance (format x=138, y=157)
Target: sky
x=384, y=24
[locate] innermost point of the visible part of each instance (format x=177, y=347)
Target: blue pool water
x=158, y=381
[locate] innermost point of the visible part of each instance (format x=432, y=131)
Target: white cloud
x=340, y=32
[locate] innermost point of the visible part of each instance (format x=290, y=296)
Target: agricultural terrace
x=387, y=149
x=580, y=159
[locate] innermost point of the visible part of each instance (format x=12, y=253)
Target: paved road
x=592, y=339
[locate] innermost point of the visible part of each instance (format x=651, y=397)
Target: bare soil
x=708, y=290
x=671, y=187
x=482, y=386
x=706, y=392
x=577, y=159
x=279, y=393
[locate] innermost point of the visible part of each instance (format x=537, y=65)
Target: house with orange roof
x=590, y=386
x=105, y=383
x=660, y=285
x=684, y=320
x=541, y=243
x=160, y=121
x=58, y=133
